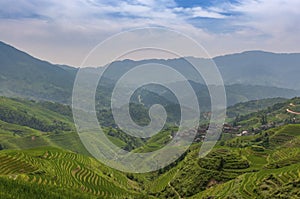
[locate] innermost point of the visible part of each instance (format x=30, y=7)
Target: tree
x=222, y=143
x=264, y=119
x=221, y=165
x=236, y=120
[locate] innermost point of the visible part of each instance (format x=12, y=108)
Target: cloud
x=198, y=12
x=271, y=17
x=73, y=27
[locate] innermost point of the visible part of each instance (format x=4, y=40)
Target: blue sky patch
x=203, y=3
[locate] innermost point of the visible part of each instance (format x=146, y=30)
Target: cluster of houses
x=227, y=128
x=201, y=131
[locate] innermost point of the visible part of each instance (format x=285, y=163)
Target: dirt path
x=175, y=190
x=169, y=183
x=293, y=112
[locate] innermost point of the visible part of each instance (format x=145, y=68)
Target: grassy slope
x=256, y=177
x=234, y=170
x=18, y=131
x=275, y=174
x=276, y=115
x=245, y=108
x=65, y=170
x=276, y=150
x=243, y=173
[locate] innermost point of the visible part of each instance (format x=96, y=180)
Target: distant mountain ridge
x=249, y=75
x=261, y=68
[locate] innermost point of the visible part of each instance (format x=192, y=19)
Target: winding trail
x=169, y=183
x=175, y=190
x=293, y=112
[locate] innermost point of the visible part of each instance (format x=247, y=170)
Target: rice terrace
x=149, y=99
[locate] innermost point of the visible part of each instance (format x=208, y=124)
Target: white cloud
x=62, y=31
x=276, y=18
x=198, y=12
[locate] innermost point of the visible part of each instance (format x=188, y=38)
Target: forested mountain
x=25, y=76
x=261, y=68
x=41, y=154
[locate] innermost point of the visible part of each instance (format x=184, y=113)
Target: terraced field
x=255, y=185
x=53, y=164
x=54, y=167
x=234, y=172
x=162, y=181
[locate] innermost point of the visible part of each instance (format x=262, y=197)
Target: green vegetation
x=29, y=124
x=25, y=76
x=65, y=170
x=41, y=155
x=52, y=163
x=245, y=108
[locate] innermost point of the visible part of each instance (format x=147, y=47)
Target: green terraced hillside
x=48, y=161
x=28, y=124
x=71, y=173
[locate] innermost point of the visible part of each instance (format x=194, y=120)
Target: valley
x=42, y=156
x=262, y=164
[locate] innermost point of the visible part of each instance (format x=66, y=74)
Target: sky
x=64, y=32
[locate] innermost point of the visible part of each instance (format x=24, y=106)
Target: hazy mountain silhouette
x=249, y=75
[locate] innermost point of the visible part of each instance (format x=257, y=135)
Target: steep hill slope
x=28, y=124
x=24, y=75
x=262, y=164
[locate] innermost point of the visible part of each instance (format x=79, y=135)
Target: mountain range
x=257, y=156
x=248, y=76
